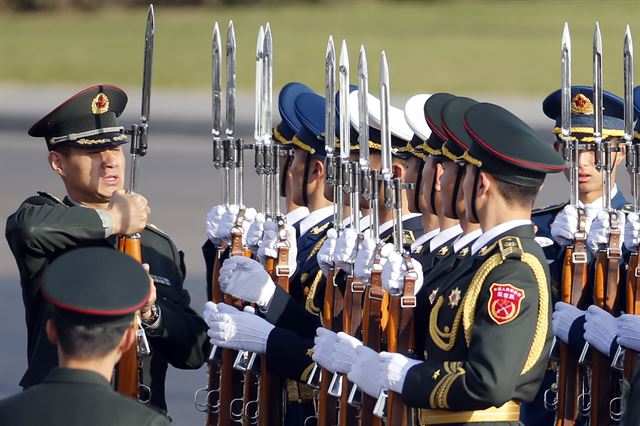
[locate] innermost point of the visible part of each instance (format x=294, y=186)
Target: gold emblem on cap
x=581, y=105
x=100, y=104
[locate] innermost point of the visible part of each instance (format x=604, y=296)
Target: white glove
x=254, y=234
x=325, y=254
x=363, y=372
x=600, y=329
x=394, y=369
x=565, y=225
x=323, y=349
x=364, y=259
x=246, y=279
x=269, y=246
x=598, y=232
x=563, y=318
x=241, y=330
x=212, y=222
x=394, y=271
x=629, y=331
x=346, y=249
x=210, y=308
x=632, y=231
x=344, y=352
x=228, y=222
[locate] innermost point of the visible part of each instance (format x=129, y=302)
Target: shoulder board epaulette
x=510, y=248
x=319, y=229
x=50, y=197
x=155, y=229
x=548, y=209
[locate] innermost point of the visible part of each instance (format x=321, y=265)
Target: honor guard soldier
x=85, y=149
x=497, y=298
x=94, y=293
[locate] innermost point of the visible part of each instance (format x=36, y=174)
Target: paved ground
x=176, y=176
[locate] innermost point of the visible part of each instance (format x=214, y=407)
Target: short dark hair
x=517, y=194
x=87, y=340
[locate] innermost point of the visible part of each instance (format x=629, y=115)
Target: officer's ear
x=127, y=340
x=485, y=184
x=52, y=333
x=317, y=168
x=620, y=155
x=398, y=170
x=439, y=170
x=56, y=162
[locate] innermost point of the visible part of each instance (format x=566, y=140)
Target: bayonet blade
x=363, y=109
x=345, y=140
x=148, y=62
x=216, y=79
x=257, y=133
x=628, y=86
x=385, y=131
x=329, y=95
x=597, y=83
x=268, y=85
x=566, y=83
x=231, y=81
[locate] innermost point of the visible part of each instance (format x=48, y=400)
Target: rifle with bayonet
x=128, y=380
x=373, y=292
x=625, y=359
x=574, y=274
x=327, y=407
x=399, y=328
x=608, y=257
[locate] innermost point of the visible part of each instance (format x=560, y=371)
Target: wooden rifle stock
x=127, y=376
x=327, y=413
x=270, y=389
x=351, y=322
x=371, y=317
x=632, y=307
x=213, y=381
x=574, y=281
x=605, y=296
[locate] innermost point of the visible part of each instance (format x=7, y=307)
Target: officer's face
x=448, y=182
x=90, y=175
x=431, y=172
x=412, y=170
x=297, y=175
x=589, y=178
x=467, y=187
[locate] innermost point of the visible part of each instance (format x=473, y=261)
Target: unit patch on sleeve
x=505, y=302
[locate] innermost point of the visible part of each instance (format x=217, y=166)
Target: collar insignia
x=464, y=252
x=418, y=250
x=432, y=296
x=100, y=104
x=454, y=297
x=318, y=229
x=443, y=250
x=436, y=374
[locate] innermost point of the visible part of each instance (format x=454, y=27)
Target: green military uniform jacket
x=488, y=331
x=71, y=397
x=43, y=228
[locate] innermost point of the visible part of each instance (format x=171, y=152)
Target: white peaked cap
x=414, y=115
x=397, y=123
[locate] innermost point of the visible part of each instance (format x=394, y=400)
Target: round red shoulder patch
x=505, y=302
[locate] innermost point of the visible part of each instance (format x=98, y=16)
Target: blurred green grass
x=482, y=46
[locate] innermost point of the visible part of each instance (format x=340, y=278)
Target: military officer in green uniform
x=85, y=149
x=94, y=292
x=488, y=331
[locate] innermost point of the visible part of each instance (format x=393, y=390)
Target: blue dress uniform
x=45, y=227
x=83, y=396
x=581, y=127
x=496, y=298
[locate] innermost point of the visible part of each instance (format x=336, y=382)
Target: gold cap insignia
x=100, y=104
x=581, y=105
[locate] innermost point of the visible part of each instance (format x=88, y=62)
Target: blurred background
x=506, y=52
